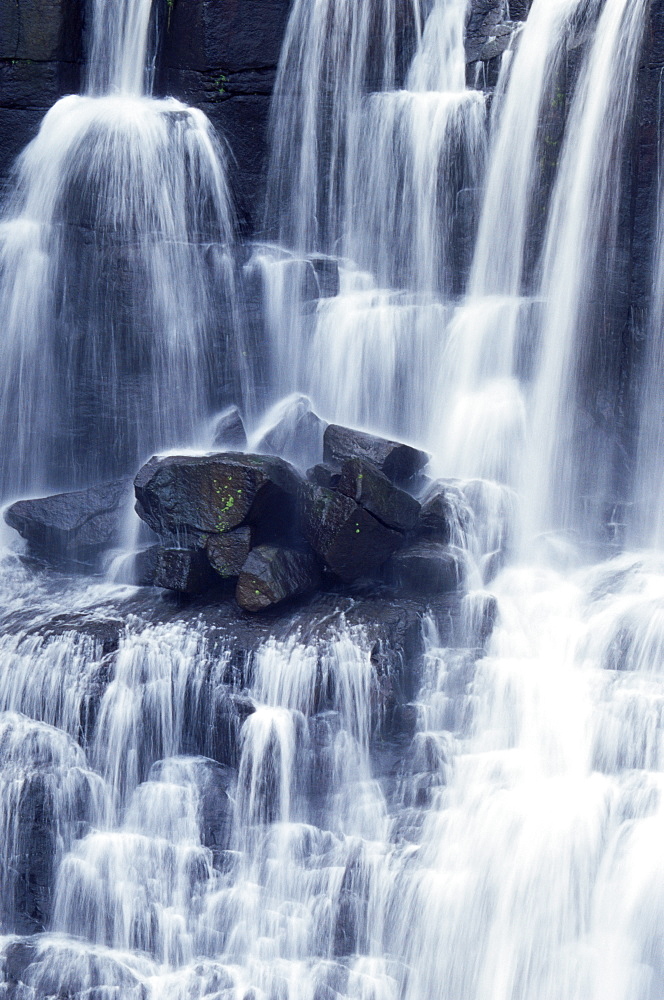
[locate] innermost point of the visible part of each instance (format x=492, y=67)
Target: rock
x=73, y=529
x=351, y=541
x=480, y=612
x=184, y=570
x=444, y=514
x=272, y=575
x=326, y=270
x=399, y=462
x=297, y=434
x=227, y=553
x=143, y=567
x=323, y=475
x=213, y=782
x=229, y=430
x=362, y=481
x=427, y=567
x=216, y=493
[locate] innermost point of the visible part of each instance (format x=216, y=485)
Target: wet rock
x=143, y=567
x=351, y=541
x=362, y=481
x=298, y=434
x=399, y=462
x=444, y=513
x=214, y=783
x=272, y=575
x=105, y=632
x=323, y=475
x=216, y=493
x=229, y=430
x=185, y=570
x=480, y=610
x=72, y=530
x=326, y=270
x=227, y=553
x=427, y=567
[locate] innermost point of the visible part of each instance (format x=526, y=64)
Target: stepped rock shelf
x=252, y=525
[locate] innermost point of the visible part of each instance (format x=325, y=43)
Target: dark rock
x=227, y=553
x=297, y=435
x=229, y=430
x=271, y=575
x=214, y=782
x=427, y=567
x=362, y=481
x=216, y=493
x=326, y=270
x=143, y=567
x=18, y=956
x=444, y=514
x=351, y=541
x=184, y=570
x=105, y=632
x=399, y=462
x=73, y=528
x=323, y=475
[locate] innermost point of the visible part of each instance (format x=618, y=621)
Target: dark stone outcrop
x=444, y=512
x=427, y=567
x=73, y=529
x=323, y=475
x=229, y=432
x=271, y=575
x=214, y=782
x=362, y=481
x=398, y=461
x=351, y=541
x=186, y=571
x=298, y=434
x=216, y=493
x=228, y=553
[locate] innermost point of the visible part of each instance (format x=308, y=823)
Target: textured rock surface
x=427, y=567
x=361, y=481
x=271, y=575
x=399, y=462
x=186, y=571
x=214, y=494
x=229, y=432
x=351, y=541
x=227, y=553
x=72, y=528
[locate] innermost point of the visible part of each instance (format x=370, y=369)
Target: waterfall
x=115, y=274
x=367, y=796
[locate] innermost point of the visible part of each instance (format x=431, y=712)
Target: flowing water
x=184, y=820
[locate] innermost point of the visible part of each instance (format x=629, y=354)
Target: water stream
x=179, y=822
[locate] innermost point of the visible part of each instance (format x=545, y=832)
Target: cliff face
x=222, y=55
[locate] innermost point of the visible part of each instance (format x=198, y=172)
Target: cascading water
x=184, y=820
x=115, y=272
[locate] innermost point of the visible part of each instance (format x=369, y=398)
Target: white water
x=253, y=832
x=115, y=269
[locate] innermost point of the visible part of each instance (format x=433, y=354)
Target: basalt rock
x=271, y=575
x=186, y=571
x=323, y=475
x=229, y=430
x=227, y=553
x=73, y=529
x=444, y=513
x=348, y=538
x=362, y=481
x=217, y=493
x=427, y=567
x=298, y=434
x=398, y=461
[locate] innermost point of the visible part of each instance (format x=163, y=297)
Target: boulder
x=427, y=567
x=399, y=462
x=348, y=538
x=227, y=553
x=323, y=475
x=213, y=782
x=217, y=493
x=272, y=574
x=229, y=430
x=326, y=270
x=73, y=529
x=297, y=434
x=143, y=567
x=444, y=514
x=185, y=570
x=362, y=481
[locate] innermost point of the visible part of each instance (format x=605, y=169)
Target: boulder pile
x=256, y=524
